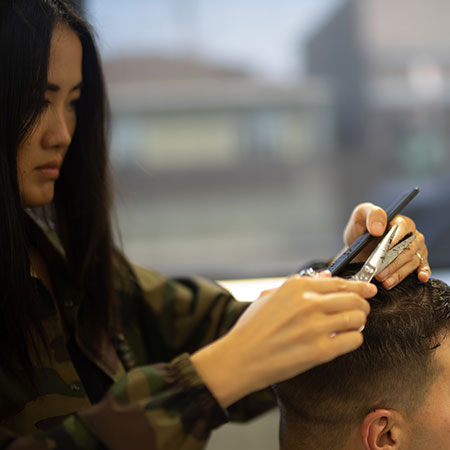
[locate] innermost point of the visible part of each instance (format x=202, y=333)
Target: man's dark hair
x=391, y=370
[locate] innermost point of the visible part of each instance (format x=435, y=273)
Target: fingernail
x=384, y=274
x=426, y=273
x=389, y=282
x=378, y=227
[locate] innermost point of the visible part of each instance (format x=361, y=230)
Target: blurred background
x=245, y=131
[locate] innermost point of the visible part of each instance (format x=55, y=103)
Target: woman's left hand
x=369, y=217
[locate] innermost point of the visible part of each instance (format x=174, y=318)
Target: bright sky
x=263, y=35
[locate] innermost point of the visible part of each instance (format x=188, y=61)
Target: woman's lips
x=49, y=171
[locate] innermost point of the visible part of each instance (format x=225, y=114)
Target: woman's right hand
x=303, y=323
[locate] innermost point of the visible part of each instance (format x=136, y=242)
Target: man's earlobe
x=381, y=430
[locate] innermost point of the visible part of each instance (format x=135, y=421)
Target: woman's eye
x=43, y=105
x=74, y=103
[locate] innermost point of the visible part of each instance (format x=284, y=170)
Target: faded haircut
x=391, y=370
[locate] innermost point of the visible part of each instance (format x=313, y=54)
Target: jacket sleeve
x=184, y=315
x=156, y=407
x=164, y=405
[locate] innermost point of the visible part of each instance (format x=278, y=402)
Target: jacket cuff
x=189, y=379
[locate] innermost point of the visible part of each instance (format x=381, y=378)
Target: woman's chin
x=37, y=199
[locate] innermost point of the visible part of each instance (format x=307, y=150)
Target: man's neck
x=300, y=441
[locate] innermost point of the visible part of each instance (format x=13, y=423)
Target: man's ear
x=383, y=429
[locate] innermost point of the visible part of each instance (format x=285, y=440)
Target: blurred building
x=214, y=168
x=184, y=114
x=389, y=64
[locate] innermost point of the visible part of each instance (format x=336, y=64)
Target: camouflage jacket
x=162, y=403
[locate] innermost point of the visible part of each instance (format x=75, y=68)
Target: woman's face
x=41, y=155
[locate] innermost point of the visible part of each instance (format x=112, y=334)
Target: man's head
x=393, y=393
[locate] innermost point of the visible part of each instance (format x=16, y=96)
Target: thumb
x=376, y=219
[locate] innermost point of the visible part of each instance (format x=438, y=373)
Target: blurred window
x=244, y=132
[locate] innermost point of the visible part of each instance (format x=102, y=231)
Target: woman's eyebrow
x=55, y=88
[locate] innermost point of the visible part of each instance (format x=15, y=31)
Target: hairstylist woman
x=96, y=352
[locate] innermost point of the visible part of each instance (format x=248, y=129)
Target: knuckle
x=407, y=221
x=293, y=279
x=315, y=303
x=362, y=207
x=398, y=220
x=295, y=282
x=355, y=298
x=308, y=296
x=310, y=300
x=309, y=306
x=420, y=236
x=340, y=283
x=308, y=283
x=360, y=317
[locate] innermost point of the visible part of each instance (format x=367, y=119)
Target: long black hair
x=81, y=206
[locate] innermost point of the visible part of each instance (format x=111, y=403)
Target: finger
x=325, y=274
x=376, y=220
x=340, y=344
x=366, y=216
x=346, y=321
x=423, y=272
x=412, y=264
x=424, y=269
x=408, y=255
x=399, y=275
x=405, y=226
x=341, y=302
x=412, y=258
x=329, y=285
x=405, y=264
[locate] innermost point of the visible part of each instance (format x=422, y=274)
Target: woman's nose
x=59, y=131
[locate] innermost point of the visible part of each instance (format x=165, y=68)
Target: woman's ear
x=383, y=429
